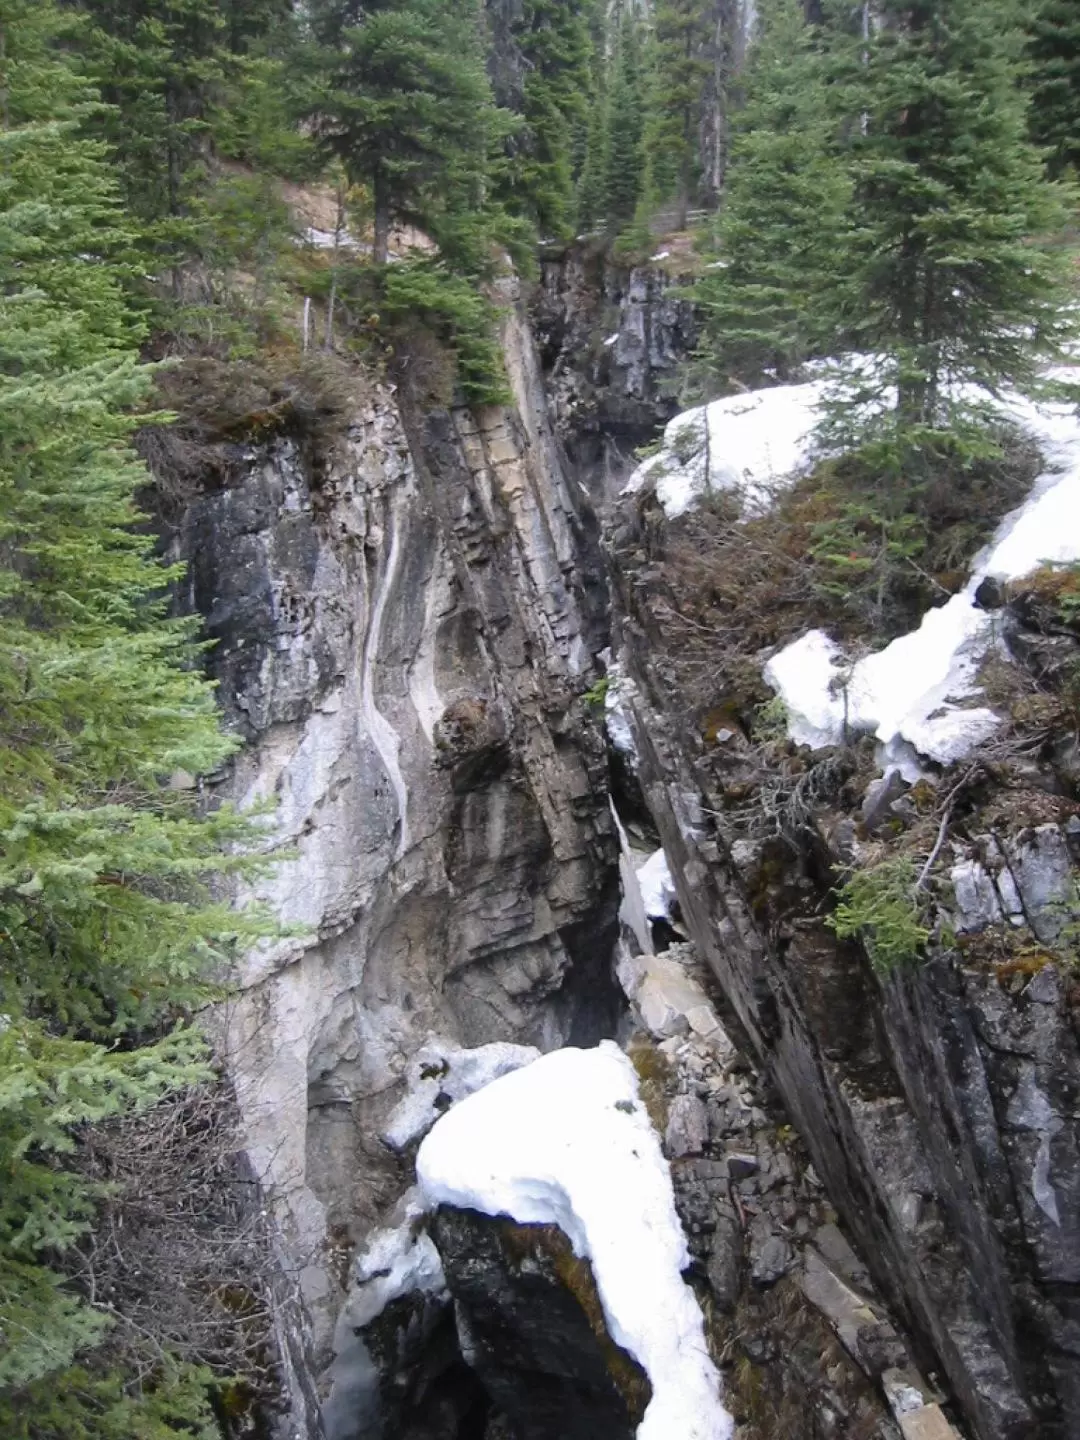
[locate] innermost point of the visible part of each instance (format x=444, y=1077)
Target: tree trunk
x=382, y=218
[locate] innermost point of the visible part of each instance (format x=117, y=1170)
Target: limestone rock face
x=938, y=1105
x=402, y=633
x=611, y=339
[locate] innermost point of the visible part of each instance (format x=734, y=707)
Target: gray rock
x=687, y=1128
x=878, y=800
x=771, y=1255
x=741, y=1164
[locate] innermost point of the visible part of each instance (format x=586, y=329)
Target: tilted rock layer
x=403, y=630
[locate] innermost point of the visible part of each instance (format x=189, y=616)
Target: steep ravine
x=403, y=634
x=406, y=634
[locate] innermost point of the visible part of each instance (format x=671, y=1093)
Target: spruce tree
x=623, y=163
x=409, y=109
x=1054, y=81
x=160, y=67
x=681, y=63
x=766, y=298
x=941, y=273
x=556, y=47
x=104, y=926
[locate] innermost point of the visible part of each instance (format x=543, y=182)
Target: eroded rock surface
x=611, y=340
x=403, y=631
x=938, y=1104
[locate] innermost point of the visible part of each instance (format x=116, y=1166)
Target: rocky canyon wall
x=405, y=630
x=402, y=633
x=938, y=1102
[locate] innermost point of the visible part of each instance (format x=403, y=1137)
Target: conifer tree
x=1054, y=55
x=681, y=62
x=104, y=928
x=624, y=149
x=160, y=66
x=940, y=274
x=766, y=297
x=556, y=51
x=409, y=109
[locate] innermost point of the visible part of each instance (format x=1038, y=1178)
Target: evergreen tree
x=681, y=63
x=766, y=299
x=589, y=190
x=188, y=82
x=1054, y=54
x=624, y=149
x=104, y=928
x=160, y=66
x=556, y=50
x=939, y=272
x=409, y=110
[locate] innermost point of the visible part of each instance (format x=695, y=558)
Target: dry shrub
x=223, y=406
x=838, y=550
x=180, y=1252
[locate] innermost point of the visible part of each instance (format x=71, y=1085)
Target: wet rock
x=533, y=1330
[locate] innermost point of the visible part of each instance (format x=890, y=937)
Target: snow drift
x=566, y=1141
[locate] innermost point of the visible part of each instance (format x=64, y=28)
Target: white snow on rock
x=617, y=714
x=747, y=444
x=401, y=1260
x=440, y=1074
x=919, y=695
x=566, y=1141
x=657, y=887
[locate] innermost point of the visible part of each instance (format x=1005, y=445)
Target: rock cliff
x=406, y=626
x=938, y=1103
x=403, y=629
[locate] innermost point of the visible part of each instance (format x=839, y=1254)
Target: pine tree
x=1054, y=81
x=409, y=109
x=104, y=926
x=766, y=299
x=624, y=151
x=681, y=63
x=940, y=272
x=556, y=51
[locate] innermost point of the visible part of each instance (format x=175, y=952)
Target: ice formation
x=400, y=1260
x=566, y=1141
x=657, y=887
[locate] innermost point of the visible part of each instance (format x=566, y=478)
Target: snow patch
x=657, y=887
x=749, y=445
x=441, y=1074
x=566, y=1141
x=919, y=695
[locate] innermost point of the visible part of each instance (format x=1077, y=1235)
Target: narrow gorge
x=445, y=638
x=539, y=720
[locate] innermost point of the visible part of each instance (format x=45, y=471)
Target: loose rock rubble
x=804, y=1342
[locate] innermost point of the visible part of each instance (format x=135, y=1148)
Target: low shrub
x=882, y=907
x=219, y=405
